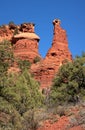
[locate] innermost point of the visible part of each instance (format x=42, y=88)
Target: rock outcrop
x=59, y=52
x=5, y=33
x=25, y=46
x=26, y=43
x=23, y=38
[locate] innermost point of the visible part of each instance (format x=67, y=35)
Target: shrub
x=19, y=92
x=6, y=56
x=11, y=22
x=24, y=64
x=16, y=31
x=69, y=83
x=36, y=59
x=12, y=25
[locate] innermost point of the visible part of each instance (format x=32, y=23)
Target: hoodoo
x=26, y=43
x=25, y=46
x=45, y=71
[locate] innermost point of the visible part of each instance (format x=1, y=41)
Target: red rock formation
x=24, y=39
x=25, y=45
x=59, y=49
x=45, y=71
x=5, y=33
x=26, y=42
x=27, y=27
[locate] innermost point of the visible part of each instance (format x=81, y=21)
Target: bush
x=6, y=56
x=9, y=117
x=19, y=92
x=12, y=25
x=24, y=64
x=36, y=59
x=16, y=31
x=69, y=83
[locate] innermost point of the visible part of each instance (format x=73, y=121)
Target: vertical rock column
x=45, y=71
x=59, y=50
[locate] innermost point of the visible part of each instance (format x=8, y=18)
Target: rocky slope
x=68, y=118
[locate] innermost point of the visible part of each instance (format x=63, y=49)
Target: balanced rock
x=25, y=43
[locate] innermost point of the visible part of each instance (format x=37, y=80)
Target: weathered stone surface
x=24, y=39
x=25, y=46
x=26, y=49
x=26, y=43
x=27, y=35
x=5, y=33
x=27, y=27
x=59, y=52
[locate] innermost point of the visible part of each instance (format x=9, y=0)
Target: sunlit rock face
x=25, y=43
x=5, y=33
x=24, y=40
x=59, y=52
x=25, y=46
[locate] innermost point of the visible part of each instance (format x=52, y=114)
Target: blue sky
x=42, y=12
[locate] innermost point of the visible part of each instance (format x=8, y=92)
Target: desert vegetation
x=19, y=92
x=69, y=83
x=23, y=106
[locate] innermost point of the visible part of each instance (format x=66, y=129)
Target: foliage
x=9, y=117
x=6, y=56
x=13, y=26
x=36, y=59
x=11, y=22
x=16, y=31
x=19, y=92
x=69, y=83
x=20, y=97
x=29, y=120
x=24, y=64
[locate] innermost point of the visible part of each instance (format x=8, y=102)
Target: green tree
x=6, y=56
x=22, y=91
x=69, y=83
x=6, y=60
x=23, y=64
x=36, y=59
x=19, y=92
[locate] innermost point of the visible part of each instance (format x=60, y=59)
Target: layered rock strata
x=25, y=43
x=25, y=46
x=24, y=39
x=59, y=52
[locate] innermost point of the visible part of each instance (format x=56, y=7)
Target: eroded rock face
x=59, y=52
x=27, y=27
x=26, y=43
x=5, y=33
x=26, y=49
x=25, y=46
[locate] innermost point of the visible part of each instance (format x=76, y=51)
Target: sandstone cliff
x=59, y=52
x=23, y=38
x=25, y=46
x=26, y=42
